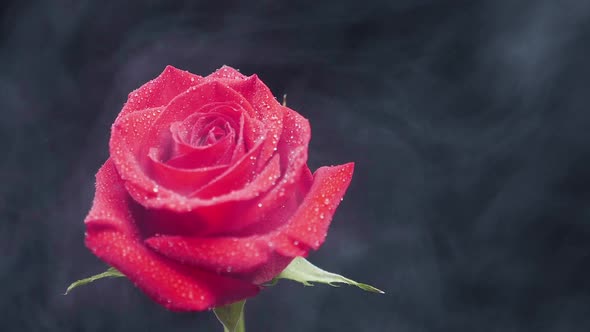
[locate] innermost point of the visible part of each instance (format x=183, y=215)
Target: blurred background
x=468, y=122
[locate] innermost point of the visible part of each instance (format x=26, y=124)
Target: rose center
x=208, y=131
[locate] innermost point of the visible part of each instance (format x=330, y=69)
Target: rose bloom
x=207, y=194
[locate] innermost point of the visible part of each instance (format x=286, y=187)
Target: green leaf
x=110, y=273
x=302, y=271
x=231, y=316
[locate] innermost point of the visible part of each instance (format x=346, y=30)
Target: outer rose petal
x=306, y=229
x=223, y=254
x=251, y=258
x=112, y=236
x=161, y=90
x=309, y=224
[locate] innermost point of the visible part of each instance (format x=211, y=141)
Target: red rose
x=206, y=194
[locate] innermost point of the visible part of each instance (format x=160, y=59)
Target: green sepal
x=231, y=316
x=303, y=271
x=110, y=273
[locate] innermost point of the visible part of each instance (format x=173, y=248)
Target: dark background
x=468, y=121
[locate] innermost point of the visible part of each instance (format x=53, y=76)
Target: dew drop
x=259, y=205
x=326, y=201
x=322, y=216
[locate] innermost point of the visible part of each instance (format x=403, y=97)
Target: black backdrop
x=468, y=121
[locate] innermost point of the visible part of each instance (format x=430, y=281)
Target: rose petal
x=160, y=91
x=130, y=143
x=200, y=99
x=306, y=229
x=274, y=208
x=267, y=110
x=250, y=258
x=236, y=180
x=112, y=236
x=219, y=254
x=309, y=224
x=227, y=215
x=278, y=205
x=181, y=180
x=226, y=72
